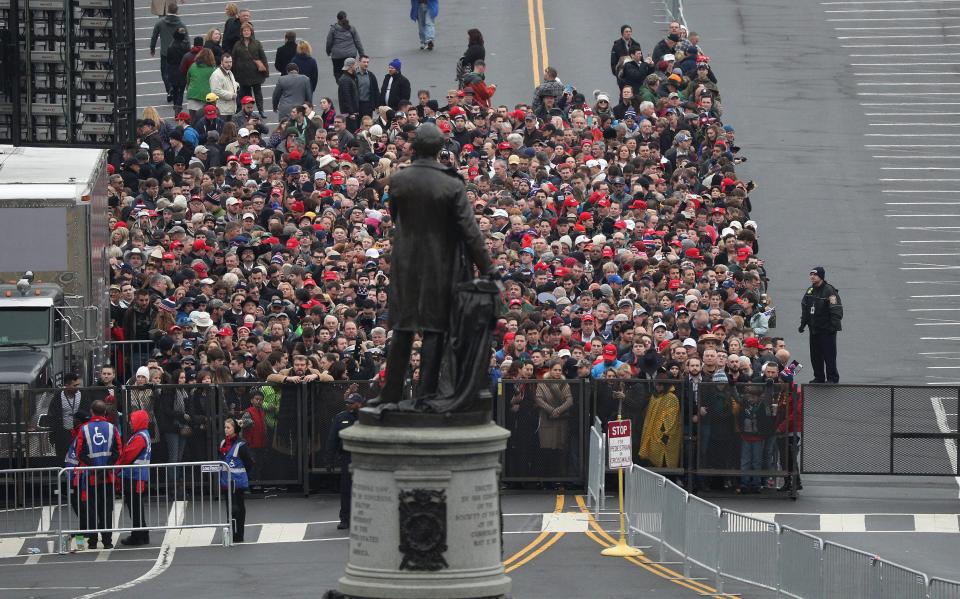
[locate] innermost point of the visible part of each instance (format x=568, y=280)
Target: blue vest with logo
x=141, y=473
x=100, y=438
x=237, y=467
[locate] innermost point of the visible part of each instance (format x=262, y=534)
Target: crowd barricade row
x=732, y=546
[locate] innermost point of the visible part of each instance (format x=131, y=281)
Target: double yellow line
x=603, y=539
x=534, y=548
x=535, y=16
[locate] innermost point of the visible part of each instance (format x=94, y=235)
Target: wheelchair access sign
x=619, y=451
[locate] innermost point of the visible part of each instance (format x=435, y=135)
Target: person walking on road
x=424, y=12
x=286, y=52
x=293, y=89
x=179, y=48
x=823, y=313
x=367, y=86
x=475, y=51
x=163, y=31
x=343, y=42
x=250, y=65
x=98, y=444
x=307, y=64
x=234, y=451
x=138, y=451
x=342, y=420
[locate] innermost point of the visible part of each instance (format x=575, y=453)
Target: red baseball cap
x=337, y=178
x=693, y=253
x=183, y=116
x=751, y=342
x=445, y=127
x=587, y=317
x=607, y=251
x=674, y=284
x=247, y=100
x=246, y=158
x=609, y=351
x=210, y=110
x=503, y=145
x=168, y=256
x=200, y=244
x=329, y=275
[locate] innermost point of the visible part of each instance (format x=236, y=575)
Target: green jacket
x=198, y=81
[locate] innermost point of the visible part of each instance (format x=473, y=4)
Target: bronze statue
x=432, y=288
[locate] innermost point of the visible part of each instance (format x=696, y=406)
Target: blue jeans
x=425, y=24
x=751, y=458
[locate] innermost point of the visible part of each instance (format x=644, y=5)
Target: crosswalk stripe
x=283, y=532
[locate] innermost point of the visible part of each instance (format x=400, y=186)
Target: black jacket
x=822, y=309
x=348, y=94
x=285, y=54
x=399, y=90
x=620, y=48
x=341, y=421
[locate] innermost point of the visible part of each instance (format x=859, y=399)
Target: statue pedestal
x=425, y=514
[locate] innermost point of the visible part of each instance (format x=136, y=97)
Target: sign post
x=620, y=456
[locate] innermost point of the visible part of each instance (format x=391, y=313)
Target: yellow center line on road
x=531, y=17
x=532, y=546
x=545, y=58
x=602, y=538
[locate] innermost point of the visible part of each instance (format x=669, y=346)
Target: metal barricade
x=701, y=535
x=944, y=589
x=644, y=509
x=800, y=563
x=899, y=582
x=127, y=356
x=748, y=549
x=109, y=499
x=849, y=573
x=543, y=446
x=673, y=504
x=596, y=467
x=29, y=501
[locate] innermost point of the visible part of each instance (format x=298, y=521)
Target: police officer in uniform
x=138, y=451
x=342, y=420
x=822, y=312
x=99, y=444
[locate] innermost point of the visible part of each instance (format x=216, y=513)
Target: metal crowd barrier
x=183, y=496
x=734, y=546
x=596, y=467
x=29, y=498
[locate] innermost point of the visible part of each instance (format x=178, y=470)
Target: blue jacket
x=432, y=5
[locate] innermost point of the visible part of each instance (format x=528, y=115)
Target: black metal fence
x=712, y=436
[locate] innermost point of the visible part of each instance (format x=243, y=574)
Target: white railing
x=733, y=546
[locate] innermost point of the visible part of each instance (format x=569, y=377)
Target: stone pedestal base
x=425, y=515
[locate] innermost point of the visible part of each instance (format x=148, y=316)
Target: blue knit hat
x=395, y=63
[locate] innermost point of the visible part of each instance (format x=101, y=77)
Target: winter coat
x=348, y=94
x=293, y=89
x=308, y=67
x=553, y=431
x=225, y=86
x=198, y=81
x=399, y=90
x=244, y=67
x=159, y=7
x=634, y=73
x=621, y=48
x=163, y=30
x=481, y=93
x=343, y=42
x=231, y=34
x=432, y=5
x=434, y=225
x=217, y=50
x=285, y=54
x=174, y=56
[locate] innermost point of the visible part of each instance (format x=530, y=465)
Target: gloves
x=801, y=329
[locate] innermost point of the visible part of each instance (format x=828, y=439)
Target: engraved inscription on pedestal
x=370, y=502
x=479, y=513
x=423, y=529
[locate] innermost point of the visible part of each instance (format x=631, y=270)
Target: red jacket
x=135, y=444
x=790, y=411
x=256, y=435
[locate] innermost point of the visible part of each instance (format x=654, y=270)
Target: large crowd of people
x=247, y=248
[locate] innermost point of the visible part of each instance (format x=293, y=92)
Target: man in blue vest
x=99, y=444
x=134, y=480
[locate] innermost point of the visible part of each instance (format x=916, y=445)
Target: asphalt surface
x=835, y=189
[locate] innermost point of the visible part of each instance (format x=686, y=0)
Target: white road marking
x=564, y=522
x=843, y=523
x=282, y=532
x=219, y=23
x=49, y=588
x=10, y=547
x=880, y=19
x=871, y=10
x=219, y=12
x=951, y=446
x=936, y=523
x=913, y=255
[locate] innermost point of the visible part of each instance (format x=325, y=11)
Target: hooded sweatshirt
x=139, y=420
x=163, y=30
